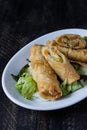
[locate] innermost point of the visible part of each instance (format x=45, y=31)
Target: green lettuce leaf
x=26, y=85
x=76, y=85
x=67, y=89
x=85, y=38
x=64, y=88
x=23, y=70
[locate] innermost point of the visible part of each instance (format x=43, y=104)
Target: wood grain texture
x=21, y=22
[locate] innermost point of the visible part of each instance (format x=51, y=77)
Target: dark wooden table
x=21, y=21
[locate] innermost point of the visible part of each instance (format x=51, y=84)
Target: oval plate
x=19, y=60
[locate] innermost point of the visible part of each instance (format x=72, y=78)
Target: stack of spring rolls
x=50, y=61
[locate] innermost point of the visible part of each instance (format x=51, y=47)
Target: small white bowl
x=19, y=60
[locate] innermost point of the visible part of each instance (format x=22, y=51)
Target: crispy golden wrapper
x=60, y=64
x=76, y=55
x=72, y=41
x=45, y=77
x=73, y=54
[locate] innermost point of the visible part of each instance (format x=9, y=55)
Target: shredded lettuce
x=64, y=88
x=76, y=85
x=23, y=70
x=67, y=89
x=26, y=85
x=85, y=38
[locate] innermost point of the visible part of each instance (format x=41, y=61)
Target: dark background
x=21, y=21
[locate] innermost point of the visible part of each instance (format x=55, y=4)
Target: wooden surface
x=21, y=21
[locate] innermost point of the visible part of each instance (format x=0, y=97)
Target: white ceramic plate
x=19, y=60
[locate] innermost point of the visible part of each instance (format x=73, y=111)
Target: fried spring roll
x=45, y=77
x=73, y=54
x=60, y=64
x=71, y=40
x=76, y=55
